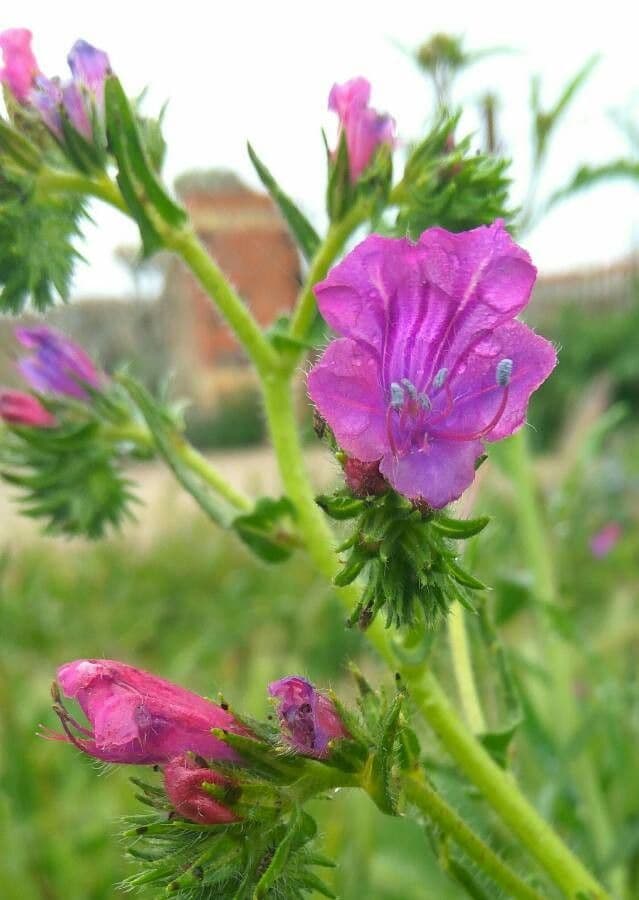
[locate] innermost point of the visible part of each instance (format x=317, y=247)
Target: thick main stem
x=497, y=786
x=463, y=666
x=432, y=804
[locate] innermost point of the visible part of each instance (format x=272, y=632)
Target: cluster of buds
x=78, y=102
x=140, y=719
x=56, y=368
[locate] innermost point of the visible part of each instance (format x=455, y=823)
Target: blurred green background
x=189, y=603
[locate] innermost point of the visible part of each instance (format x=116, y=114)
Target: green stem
x=210, y=475
x=338, y=234
x=463, y=668
x=432, y=804
x=497, y=786
x=188, y=246
x=101, y=187
x=537, y=545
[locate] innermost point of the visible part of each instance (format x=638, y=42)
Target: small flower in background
x=605, y=540
x=432, y=361
x=136, y=717
x=308, y=718
x=20, y=67
x=18, y=408
x=364, y=128
x=57, y=364
x=183, y=780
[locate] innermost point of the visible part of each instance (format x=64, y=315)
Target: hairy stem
x=209, y=474
x=100, y=187
x=497, y=786
x=463, y=668
x=329, y=249
x=432, y=804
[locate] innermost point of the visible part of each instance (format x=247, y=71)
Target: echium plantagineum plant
x=418, y=365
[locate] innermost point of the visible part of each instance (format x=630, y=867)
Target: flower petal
x=478, y=397
x=345, y=388
x=438, y=474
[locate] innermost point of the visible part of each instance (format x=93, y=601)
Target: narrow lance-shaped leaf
x=301, y=228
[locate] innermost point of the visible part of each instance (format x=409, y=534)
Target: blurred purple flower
x=20, y=65
x=136, y=717
x=78, y=97
x=432, y=360
x=183, y=780
x=605, y=540
x=308, y=718
x=364, y=128
x=18, y=408
x=57, y=365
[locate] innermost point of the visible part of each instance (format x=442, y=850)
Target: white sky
x=262, y=70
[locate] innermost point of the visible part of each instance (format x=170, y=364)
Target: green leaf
x=301, y=228
x=168, y=440
x=132, y=157
x=266, y=529
x=378, y=777
x=340, y=506
x=588, y=176
x=18, y=148
x=497, y=743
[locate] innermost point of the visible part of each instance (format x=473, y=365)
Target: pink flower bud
x=364, y=128
x=20, y=66
x=138, y=718
x=18, y=408
x=308, y=719
x=57, y=365
x=183, y=780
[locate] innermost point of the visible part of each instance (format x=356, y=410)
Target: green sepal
x=266, y=530
x=84, y=155
x=305, y=235
x=300, y=829
x=126, y=143
x=261, y=756
x=459, y=529
x=18, y=148
x=377, y=777
x=340, y=506
x=465, y=578
x=339, y=191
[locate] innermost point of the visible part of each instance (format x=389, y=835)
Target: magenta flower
x=364, y=128
x=20, y=66
x=183, y=780
x=605, y=540
x=136, y=717
x=57, y=365
x=308, y=718
x=77, y=98
x=18, y=408
x=432, y=361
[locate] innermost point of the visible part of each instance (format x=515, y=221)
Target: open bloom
x=57, y=364
x=183, y=780
x=605, y=540
x=364, y=128
x=20, y=67
x=136, y=717
x=308, y=718
x=18, y=408
x=78, y=97
x=432, y=361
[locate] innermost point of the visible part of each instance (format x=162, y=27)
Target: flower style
x=77, y=98
x=432, y=361
x=20, y=66
x=308, y=718
x=57, y=365
x=136, y=717
x=364, y=128
x=183, y=780
x=18, y=408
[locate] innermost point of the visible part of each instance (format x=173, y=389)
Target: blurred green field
x=193, y=606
